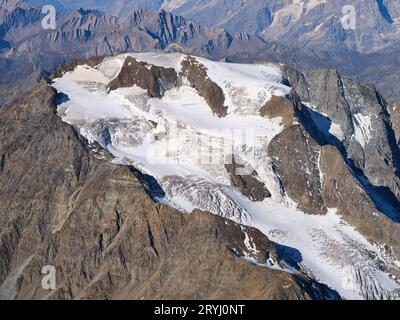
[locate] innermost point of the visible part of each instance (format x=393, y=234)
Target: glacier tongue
x=164, y=138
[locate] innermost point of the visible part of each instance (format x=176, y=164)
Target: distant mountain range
x=304, y=23
x=305, y=34
x=28, y=52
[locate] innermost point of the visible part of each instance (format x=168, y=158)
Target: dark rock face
x=196, y=73
x=95, y=222
x=297, y=81
x=296, y=155
x=363, y=116
x=156, y=80
x=248, y=185
x=279, y=107
x=327, y=94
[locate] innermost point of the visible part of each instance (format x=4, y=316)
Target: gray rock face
x=305, y=23
x=363, y=127
x=257, y=14
x=318, y=23
x=6, y=6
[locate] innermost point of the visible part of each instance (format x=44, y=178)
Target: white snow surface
x=164, y=138
x=362, y=128
x=246, y=86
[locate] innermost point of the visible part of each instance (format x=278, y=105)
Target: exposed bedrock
x=156, y=80
x=295, y=155
x=247, y=184
x=279, y=107
x=196, y=73
x=366, y=135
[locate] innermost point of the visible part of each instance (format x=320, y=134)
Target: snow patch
x=362, y=128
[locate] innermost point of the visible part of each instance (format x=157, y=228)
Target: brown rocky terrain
x=196, y=74
x=297, y=166
x=156, y=80
x=315, y=171
x=247, y=184
x=279, y=107
x=63, y=203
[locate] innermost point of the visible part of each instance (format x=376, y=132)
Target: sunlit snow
x=162, y=136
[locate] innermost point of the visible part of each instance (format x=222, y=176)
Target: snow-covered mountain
x=128, y=172
x=306, y=34
x=28, y=53
x=261, y=145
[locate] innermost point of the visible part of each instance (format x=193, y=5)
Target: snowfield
x=166, y=138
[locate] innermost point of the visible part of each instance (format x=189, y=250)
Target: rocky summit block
x=196, y=74
x=156, y=80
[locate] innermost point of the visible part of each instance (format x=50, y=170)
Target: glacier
x=164, y=137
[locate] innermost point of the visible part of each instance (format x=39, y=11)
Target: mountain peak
x=160, y=112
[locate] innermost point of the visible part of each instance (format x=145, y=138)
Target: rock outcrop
x=297, y=166
x=196, y=73
x=247, y=184
x=279, y=107
x=354, y=117
x=156, y=80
